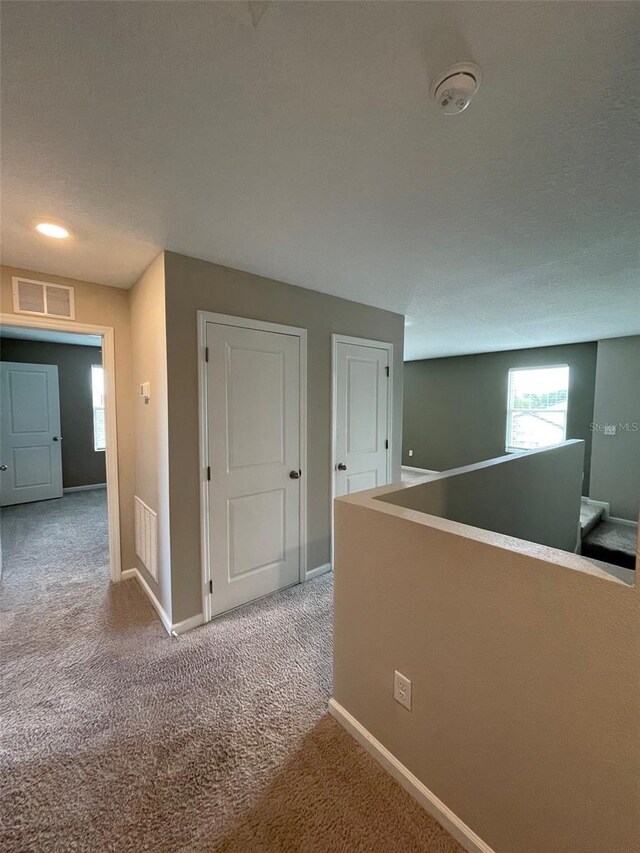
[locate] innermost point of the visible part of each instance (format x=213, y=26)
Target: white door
x=30, y=450
x=361, y=431
x=253, y=423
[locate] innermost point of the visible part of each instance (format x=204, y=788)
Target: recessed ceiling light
x=51, y=230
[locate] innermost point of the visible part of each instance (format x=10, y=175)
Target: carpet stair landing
x=612, y=542
x=590, y=515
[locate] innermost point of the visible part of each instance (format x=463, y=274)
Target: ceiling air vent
x=44, y=298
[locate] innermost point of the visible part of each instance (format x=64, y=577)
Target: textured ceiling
x=297, y=140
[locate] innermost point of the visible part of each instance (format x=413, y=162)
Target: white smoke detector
x=454, y=88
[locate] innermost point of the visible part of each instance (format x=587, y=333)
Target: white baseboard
x=319, y=570
x=426, y=798
x=419, y=470
x=134, y=573
x=607, y=511
x=626, y=521
x=604, y=504
x=85, y=488
x=176, y=627
x=188, y=624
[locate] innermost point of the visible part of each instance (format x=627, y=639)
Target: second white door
x=30, y=450
x=253, y=416
x=361, y=418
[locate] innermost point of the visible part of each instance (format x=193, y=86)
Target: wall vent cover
x=43, y=298
x=146, y=536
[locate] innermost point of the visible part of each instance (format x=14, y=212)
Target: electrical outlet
x=402, y=689
x=411, y=453
x=610, y=429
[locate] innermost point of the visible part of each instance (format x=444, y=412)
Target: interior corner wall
x=149, y=364
x=99, y=305
x=82, y=464
x=455, y=409
x=193, y=285
x=615, y=459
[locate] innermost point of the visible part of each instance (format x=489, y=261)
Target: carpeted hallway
x=117, y=738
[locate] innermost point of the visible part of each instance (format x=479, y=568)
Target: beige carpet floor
x=117, y=738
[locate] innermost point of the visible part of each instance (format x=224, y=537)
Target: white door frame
x=363, y=342
x=205, y=317
x=107, y=334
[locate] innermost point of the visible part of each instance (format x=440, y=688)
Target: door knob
x=57, y=438
x=295, y=475
x=342, y=466
x=3, y=467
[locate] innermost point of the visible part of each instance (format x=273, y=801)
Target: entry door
x=30, y=450
x=362, y=416
x=253, y=414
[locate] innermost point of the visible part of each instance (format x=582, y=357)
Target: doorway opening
x=59, y=503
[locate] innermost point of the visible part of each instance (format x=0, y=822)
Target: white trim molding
x=456, y=827
x=319, y=570
x=606, y=506
x=172, y=628
x=137, y=574
x=188, y=624
x=626, y=521
x=85, y=488
x=107, y=334
x=204, y=317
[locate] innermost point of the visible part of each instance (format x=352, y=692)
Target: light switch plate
x=609, y=429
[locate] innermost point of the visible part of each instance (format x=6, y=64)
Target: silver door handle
x=3, y=467
x=341, y=466
x=295, y=475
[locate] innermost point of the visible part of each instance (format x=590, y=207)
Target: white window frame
x=102, y=408
x=508, y=446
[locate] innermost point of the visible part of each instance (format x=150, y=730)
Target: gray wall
x=455, y=409
x=615, y=459
x=81, y=464
x=192, y=285
x=490, y=495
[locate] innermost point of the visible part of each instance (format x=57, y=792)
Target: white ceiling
x=306, y=149
x=50, y=336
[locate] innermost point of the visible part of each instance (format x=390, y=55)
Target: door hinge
x=208, y=472
x=386, y=444
x=210, y=587
x=387, y=370
x=206, y=353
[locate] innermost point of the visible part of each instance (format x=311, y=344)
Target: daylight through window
x=97, y=387
x=537, y=407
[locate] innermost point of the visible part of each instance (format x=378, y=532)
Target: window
x=97, y=388
x=537, y=407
